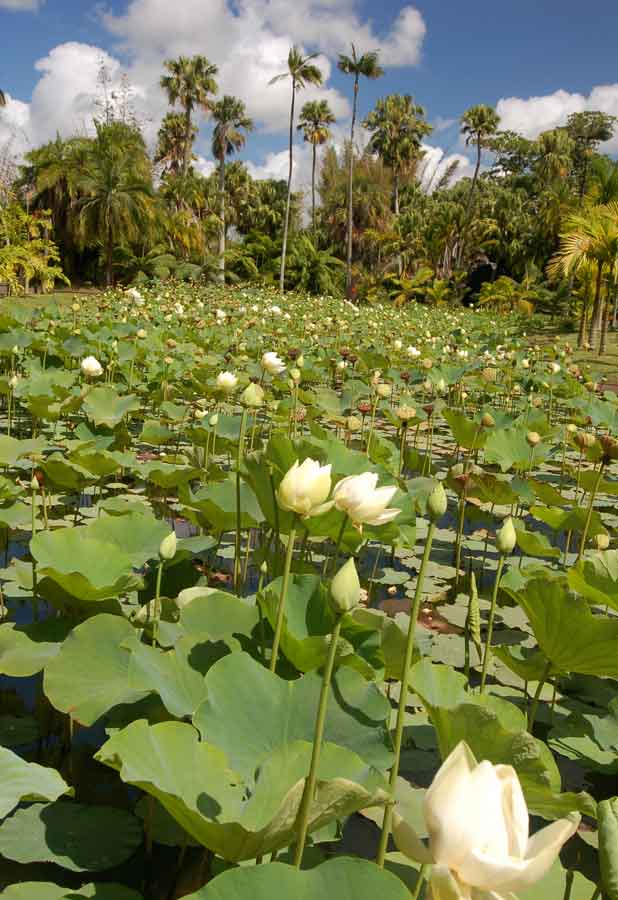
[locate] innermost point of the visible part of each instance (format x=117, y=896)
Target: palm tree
x=301, y=72
x=315, y=117
x=190, y=83
x=115, y=190
x=590, y=236
x=231, y=117
x=172, y=142
x=366, y=65
x=478, y=124
x=556, y=152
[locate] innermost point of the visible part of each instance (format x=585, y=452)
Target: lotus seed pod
x=167, y=547
x=437, y=503
x=345, y=589
x=533, y=438
x=384, y=390
x=585, y=440
x=610, y=446
x=506, y=537
x=572, y=428
x=488, y=421
x=353, y=423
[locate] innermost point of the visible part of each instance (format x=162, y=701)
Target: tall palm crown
x=301, y=71
x=315, y=117
x=190, y=82
x=171, y=143
x=232, y=120
x=478, y=125
x=556, y=150
x=367, y=66
x=398, y=127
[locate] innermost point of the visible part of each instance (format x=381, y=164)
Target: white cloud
x=533, y=115
x=21, y=5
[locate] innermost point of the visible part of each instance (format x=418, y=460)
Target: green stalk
x=419, y=882
x=157, y=604
x=239, y=456
x=284, y=589
x=537, y=697
x=309, y=791
x=402, y=447
x=490, y=624
x=582, y=544
x=335, y=556
x=35, y=601
x=401, y=710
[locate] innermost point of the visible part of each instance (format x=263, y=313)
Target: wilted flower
x=304, y=488
x=272, y=364
x=477, y=821
x=226, y=382
x=91, y=367
x=363, y=502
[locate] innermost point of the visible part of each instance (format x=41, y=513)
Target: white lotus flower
x=477, y=821
x=227, y=381
x=275, y=310
x=363, y=502
x=91, y=367
x=272, y=364
x=304, y=488
x=413, y=352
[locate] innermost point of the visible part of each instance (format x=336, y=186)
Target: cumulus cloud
x=533, y=115
x=21, y=5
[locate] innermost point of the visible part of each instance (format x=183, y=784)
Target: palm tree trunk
x=582, y=324
x=222, y=218
x=187, y=156
x=468, y=213
x=109, y=268
x=604, y=326
x=286, y=222
x=615, y=313
x=396, y=205
x=313, y=189
x=348, y=274
x=595, y=318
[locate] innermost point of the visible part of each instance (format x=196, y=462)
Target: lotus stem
x=239, y=457
x=309, y=791
x=402, y=447
x=405, y=680
x=419, y=882
x=335, y=555
x=490, y=624
x=157, y=604
x=537, y=696
x=582, y=543
x=284, y=589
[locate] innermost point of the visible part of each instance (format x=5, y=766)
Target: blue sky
x=537, y=61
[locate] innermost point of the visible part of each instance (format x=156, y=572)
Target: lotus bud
x=585, y=440
x=252, y=396
x=76, y=307
x=345, y=589
x=300, y=361
x=199, y=414
x=488, y=421
x=353, y=423
x=295, y=375
x=533, y=438
x=34, y=483
x=168, y=360
x=214, y=419
x=141, y=333
x=384, y=390
x=506, y=537
x=572, y=428
x=602, y=541
x=437, y=503
x=264, y=568
x=406, y=413
x=167, y=547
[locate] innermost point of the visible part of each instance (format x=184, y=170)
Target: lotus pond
x=269, y=566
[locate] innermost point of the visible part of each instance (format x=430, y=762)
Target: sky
x=536, y=61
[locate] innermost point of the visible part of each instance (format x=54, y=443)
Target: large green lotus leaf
x=508, y=448
x=534, y=543
x=491, y=489
x=15, y=731
x=34, y=890
x=596, y=578
x=103, y=892
x=559, y=883
x=102, y=463
x=166, y=475
x=16, y=515
x=238, y=817
x=26, y=781
x=12, y=449
x=466, y=432
x=309, y=620
x=569, y=519
x=26, y=649
x=270, y=712
x=90, y=674
x=85, y=567
x=66, y=475
x=495, y=730
x=72, y=835
x=528, y=663
x=216, y=613
x=214, y=506
x=104, y=406
x=344, y=878
x=574, y=737
x=608, y=846
x=168, y=673
x=570, y=636
x=137, y=535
